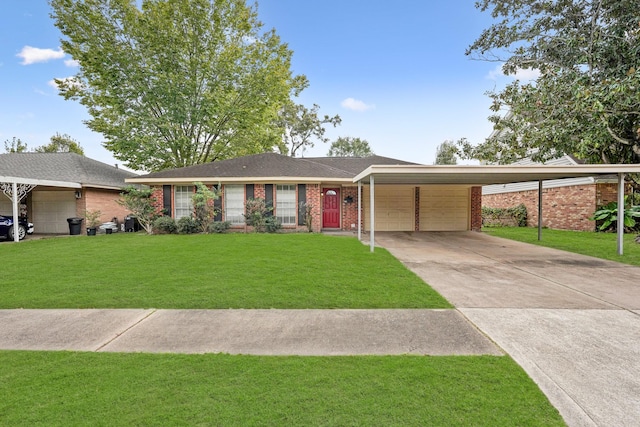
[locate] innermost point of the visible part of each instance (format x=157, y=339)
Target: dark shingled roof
x=67, y=167
x=277, y=165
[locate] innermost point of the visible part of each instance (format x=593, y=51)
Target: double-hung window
x=183, y=201
x=286, y=204
x=234, y=204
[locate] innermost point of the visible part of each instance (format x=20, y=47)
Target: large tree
x=175, y=82
x=303, y=127
x=61, y=144
x=15, y=145
x=586, y=101
x=446, y=153
x=350, y=147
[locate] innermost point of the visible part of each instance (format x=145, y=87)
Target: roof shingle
x=68, y=167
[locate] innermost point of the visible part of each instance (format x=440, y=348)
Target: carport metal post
x=539, y=210
x=359, y=211
x=14, y=199
x=372, y=222
x=620, y=212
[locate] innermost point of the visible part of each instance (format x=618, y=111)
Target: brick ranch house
x=327, y=185
x=63, y=185
x=567, y=203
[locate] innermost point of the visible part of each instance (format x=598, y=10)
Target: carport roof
x=483, y=174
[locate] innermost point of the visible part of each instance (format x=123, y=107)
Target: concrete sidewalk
x=258, y=332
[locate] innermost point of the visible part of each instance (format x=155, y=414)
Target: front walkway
x=571, y=321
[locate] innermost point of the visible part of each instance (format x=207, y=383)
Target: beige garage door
x=444, y=208
x=395, y=208
x=51, y=210
x=6, y=206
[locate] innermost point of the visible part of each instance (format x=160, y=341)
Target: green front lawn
x=62, y=388
x=599, y=245
x=127, y=270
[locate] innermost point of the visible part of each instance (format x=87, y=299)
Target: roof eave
x=246, y=179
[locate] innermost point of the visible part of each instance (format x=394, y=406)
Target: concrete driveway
x=571, y=321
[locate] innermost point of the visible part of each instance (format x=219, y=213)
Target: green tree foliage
x=15, y=146
x=586, y=101
x=61, y=144
x=140, y=202
x=203, y=204
x=302, y=127
x=350, y=147
x=176, y=82
x=446, y=153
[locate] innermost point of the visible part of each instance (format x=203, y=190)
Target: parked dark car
x=6, y=227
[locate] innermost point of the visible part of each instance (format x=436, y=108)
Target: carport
x=418, y=175
x=17, y=188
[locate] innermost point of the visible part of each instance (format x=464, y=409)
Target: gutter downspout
x=359, y=211
x=539, y=210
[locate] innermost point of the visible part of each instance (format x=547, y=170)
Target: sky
x=395, y=72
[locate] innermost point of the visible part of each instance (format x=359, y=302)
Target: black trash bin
x=131, y=224
x=75, y=225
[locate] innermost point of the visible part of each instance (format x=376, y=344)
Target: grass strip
x=127, y=270
x=71, y=388
x=599, y=245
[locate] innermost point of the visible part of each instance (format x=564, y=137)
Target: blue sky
x=394, y=71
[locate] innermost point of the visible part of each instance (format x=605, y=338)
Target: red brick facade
x=563, y=208
x=476, y=208
x=349, y=206
x=106, y=201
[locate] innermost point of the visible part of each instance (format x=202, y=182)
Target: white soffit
x=484, y=175
x=43, y=182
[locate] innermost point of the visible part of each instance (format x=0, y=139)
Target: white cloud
x=356, y=105
x=71, y=63
x=520, y=74
x=32, y=55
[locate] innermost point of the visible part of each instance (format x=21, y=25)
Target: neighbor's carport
x=477, y=176
x=17, y=188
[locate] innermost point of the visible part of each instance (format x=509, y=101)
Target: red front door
x=331, y=208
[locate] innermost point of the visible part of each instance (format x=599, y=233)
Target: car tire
x=22, y=232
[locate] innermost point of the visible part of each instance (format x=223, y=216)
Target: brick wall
x=103, y=200
x=563, y=208
x=315, y=201
x=350, y=210
x=158, y=195
x=476, y=208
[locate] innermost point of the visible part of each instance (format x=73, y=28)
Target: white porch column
x=620, y=212
x=359, y=211
x=372, y=222
x=14, y=199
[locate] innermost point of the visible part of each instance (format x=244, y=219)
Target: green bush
x=272, y=224
x=257, y=213
x=164, y=225
x=187, y=225
x=607, y=216
x=502, y=216
x=219, y=227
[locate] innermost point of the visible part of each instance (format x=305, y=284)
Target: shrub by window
x=187, y=225
x=164, y=225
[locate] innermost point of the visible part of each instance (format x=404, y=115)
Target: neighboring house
x=80, y=184
x=325, y=184
x=567, y=203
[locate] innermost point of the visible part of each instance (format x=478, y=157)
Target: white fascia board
x=43, y=182
x=484, y=174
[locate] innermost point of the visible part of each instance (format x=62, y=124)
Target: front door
x=331, y=208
